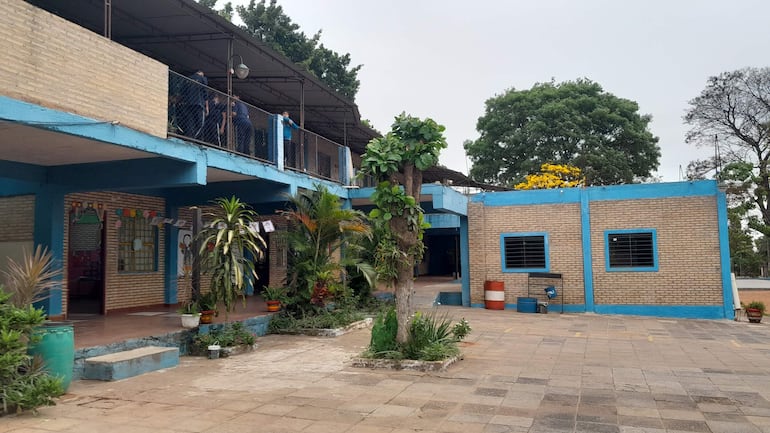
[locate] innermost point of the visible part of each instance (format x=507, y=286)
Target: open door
x=85, y=260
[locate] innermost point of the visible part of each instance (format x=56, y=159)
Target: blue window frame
x=524, y=252
x=631, y=250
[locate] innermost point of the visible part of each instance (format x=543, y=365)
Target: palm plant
x=319, y=229
x=32, y=279
x=229, y=248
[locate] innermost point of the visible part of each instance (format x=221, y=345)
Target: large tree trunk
x=406, y=239
x=404, y=291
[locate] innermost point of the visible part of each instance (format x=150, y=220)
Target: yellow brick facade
x=687, y=232
x=560, y=221
x=122, y=289
x=54, y=63
x=689, y=270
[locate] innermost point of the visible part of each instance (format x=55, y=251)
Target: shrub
x=426, y=330
x=227, y=336
x=24, y=384
x=431, y=337
x=293, y=322
x=384, y=332
x=461, y=329
x=758, y=305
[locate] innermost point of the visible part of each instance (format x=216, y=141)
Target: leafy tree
x=319, y=229
x=575, y=123
x=553, y=176
x=271, y=25
x=397, y=161
x=733, y=114
x=226, y=12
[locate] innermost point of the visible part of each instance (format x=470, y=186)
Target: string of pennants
x=160, y=220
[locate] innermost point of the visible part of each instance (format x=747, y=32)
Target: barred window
x=631, y=250
x=137, y=245
x=524, y=252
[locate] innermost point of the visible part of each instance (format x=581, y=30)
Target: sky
x=444, y=59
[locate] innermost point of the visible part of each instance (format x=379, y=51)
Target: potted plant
x=190, y=315
x=274, y=297
x=755, y=310
x=208, y=307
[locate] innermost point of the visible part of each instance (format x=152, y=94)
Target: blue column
x=585, y=233
x=275, y=140
x=49, y=232
x=465, y=262
x=171, y=262
x=344, y=156
x=724, y=255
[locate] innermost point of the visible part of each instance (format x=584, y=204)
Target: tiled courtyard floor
x=521, y=373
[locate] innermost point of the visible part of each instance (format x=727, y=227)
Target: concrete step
x=129, y=363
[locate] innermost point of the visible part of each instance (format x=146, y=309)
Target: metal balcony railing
x=200, y=113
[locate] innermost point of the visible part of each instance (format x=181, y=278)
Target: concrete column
x=49, y=232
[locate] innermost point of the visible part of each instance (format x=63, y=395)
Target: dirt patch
x=747, y=296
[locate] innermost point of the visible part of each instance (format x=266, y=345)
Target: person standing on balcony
x=242, y=125
x=289, y=148
x=195, y=105
x=214, y=125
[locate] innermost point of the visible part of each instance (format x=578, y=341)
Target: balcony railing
x=200, y=114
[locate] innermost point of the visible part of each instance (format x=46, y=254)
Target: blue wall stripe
x=465, y=262
x=598, y=193
x=171, y=261
x=585, y=234
x=676, y=311
x=49, y=232
x=724, y=255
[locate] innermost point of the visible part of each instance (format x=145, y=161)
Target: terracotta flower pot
x=273, y=306
x=754, y=315
x=207, y=316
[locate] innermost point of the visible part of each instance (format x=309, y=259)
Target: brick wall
x=123, y=290
x=52, y=62
x=18, y=218
x=688, y=252
x=17, y=228
x=560, y=221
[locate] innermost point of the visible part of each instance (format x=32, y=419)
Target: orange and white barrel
x=494, y=295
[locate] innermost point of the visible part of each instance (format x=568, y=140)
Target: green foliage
x=461, y=329
x=207, y=302
x=290, y=323
x=189, y=308
x=275, y=293
x=757, y=305
x=397, y=162
x=733, y=114
x=228, y=250
x=24, y=384
x=227, y=336
x=575, y=123
x=318, y=229
x=33, y=278
x=226, y=12
x=269, y=24
x=384, y=332
x=431, y=337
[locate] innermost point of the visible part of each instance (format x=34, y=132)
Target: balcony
x=209, y=117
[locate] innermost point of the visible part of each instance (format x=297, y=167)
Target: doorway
x=85, y=260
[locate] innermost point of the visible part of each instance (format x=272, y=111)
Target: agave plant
x=33, y=278
x=229, y=248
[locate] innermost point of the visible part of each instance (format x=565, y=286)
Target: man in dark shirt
x=194, y=105
x=242, y=124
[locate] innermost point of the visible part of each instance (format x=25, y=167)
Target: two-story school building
x=110, y=135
